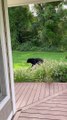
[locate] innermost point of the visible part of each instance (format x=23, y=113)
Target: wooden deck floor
x=41, y=101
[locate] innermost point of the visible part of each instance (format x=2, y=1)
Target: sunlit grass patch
x=20, y=58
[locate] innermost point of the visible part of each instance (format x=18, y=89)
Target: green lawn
x=20, y=58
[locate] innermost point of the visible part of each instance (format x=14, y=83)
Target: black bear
x=35, y=61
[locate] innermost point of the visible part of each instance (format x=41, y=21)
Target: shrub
x=60, y=74
x=25, y=46
x=49, y=71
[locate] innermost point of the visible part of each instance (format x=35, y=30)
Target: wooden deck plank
x=25, y=100
x=33, y=99
x=32, y=94
x=20, y=118
x=17, y=115
x=22, y=97
x=18, y=85
x=35, y=119
x=65, y=86
x=47, y=90
x=52, y=89
x=60, y=87
x=20, y=92
x=37, y=93
x=52, y=107
x=56, y=87
x=44, y=116
x=45, y=111
x=42, y=93
x=58, y=102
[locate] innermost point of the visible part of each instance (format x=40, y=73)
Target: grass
x=20, y=58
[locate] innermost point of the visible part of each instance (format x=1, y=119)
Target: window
x=2, y=76
x=0, y=89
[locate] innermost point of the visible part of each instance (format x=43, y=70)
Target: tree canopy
x=45, y=31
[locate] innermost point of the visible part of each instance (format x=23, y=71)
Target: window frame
x=0, y=91
x=4, y=55
x=0, y=95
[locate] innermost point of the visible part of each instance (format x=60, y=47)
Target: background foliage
x=47, y=31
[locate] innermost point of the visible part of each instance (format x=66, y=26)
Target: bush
x=25, y=46
x=29, y=46
x=49, y=71
x=60, y=74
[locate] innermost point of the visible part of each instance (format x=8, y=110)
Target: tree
x=46, y=30
x=51, y=18
x=20, y=23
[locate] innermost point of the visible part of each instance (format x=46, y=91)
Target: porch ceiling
x=24, y=2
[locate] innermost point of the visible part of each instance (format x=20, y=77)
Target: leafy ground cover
x=49, y=71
